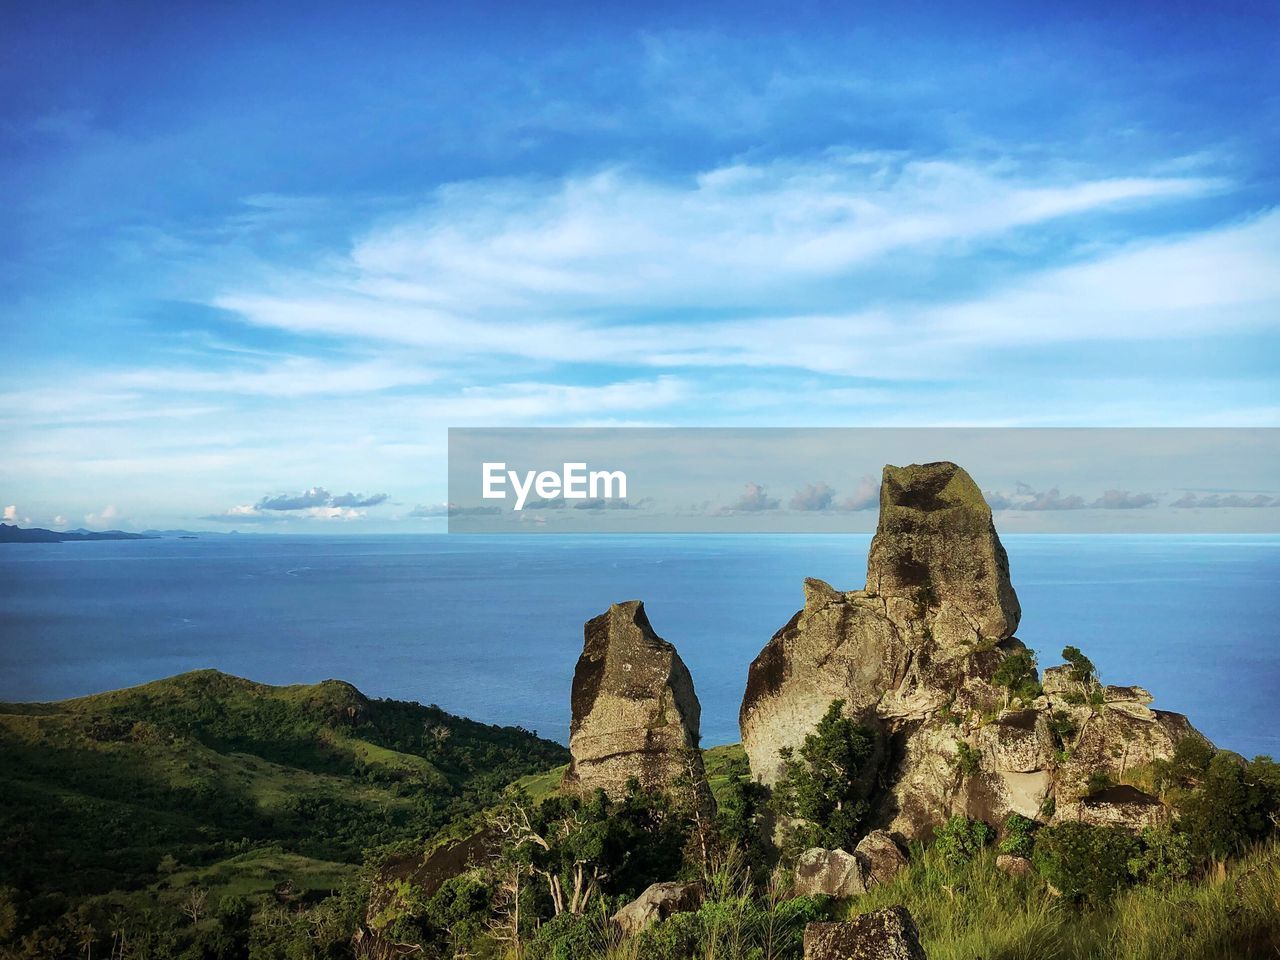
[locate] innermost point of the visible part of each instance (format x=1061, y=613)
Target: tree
x=1236, y=803
x=740, y=814
x=821, y=786
x=1082, y=668
x=195, y=904
x=1017, y=674
x=582, y=847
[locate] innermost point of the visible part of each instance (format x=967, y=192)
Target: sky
x=256, y=254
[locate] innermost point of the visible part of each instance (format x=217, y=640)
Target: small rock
x=881, y=858
x=835, y=873
x=658, y=902
x=888, y=934
x=1014, y=866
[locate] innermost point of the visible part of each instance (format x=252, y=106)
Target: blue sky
x=248, y=252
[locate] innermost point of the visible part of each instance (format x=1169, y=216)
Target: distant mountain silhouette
x=9, y=533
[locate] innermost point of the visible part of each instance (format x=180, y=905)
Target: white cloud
x=283, y=377
x=11, y=512
x=253, y=513
x=745, y=264
x=102, y=517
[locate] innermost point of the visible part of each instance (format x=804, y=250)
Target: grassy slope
x=242, y=784
x=976, y=911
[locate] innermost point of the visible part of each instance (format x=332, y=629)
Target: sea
x=491, y=627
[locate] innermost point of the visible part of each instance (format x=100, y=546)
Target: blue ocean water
x=491, y=627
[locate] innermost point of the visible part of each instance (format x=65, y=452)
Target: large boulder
x=888, y=934
x=659, y=901
x=832, y=873
x=880, y=856
x=634, y=711
x=914, y=656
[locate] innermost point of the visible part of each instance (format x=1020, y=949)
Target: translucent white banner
x=825, y=480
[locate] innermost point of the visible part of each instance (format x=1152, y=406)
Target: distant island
x=11, y=533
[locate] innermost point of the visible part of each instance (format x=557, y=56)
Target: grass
x=539, y=786
x=723, y=764
x=260, y=871
x=977, y=911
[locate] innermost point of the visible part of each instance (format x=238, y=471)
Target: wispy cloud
x=1213, y=501
x=762, y=261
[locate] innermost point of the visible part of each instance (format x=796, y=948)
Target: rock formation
x=831, y=873
x=914, y=655
x=880, y=857
x=888, y=934
x=659, y=901
x=634, y=711
x=1014, y=866
x=838, y=873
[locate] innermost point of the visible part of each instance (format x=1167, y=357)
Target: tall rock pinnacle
x=936, y=543
x=635, y=713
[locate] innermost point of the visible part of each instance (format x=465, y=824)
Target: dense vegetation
x=207, y=818
x=118, y=812
x=1205, y=886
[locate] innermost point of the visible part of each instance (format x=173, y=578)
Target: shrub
x=1017, y=674
x=1186, y=767
x=822, y=787
x=567, y=937
x=1063, y=727
x=1019, y=836
x=1099, y=779
x=967, y=760
x=1082, y=668
x=1085, y=862
x=960, y=839
x=1165, y=859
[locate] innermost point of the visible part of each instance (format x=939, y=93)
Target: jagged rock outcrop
x=936, y=543
x=635, y=713
x=659, y=901
x=838, y=873
x=915, y=654
x=888, y=934
x=1120, y=805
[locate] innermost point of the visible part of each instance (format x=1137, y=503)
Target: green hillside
x=209, y=779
